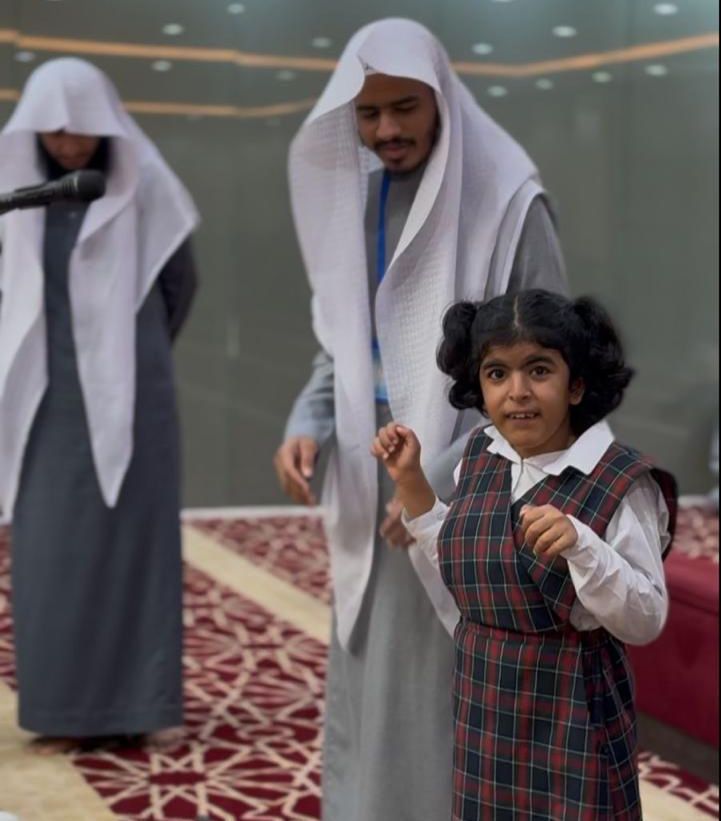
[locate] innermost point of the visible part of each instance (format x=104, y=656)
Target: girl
x=552, y=548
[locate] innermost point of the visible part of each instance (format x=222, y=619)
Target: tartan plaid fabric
x=544, y=714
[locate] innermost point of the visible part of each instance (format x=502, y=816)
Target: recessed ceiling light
x=602, y=77
x=25, y=56
x=665, y=9
x=482, y=48
x=162, y=65
x=173, y=29
x=656, y=70
x=544, y=84
x=502, y=1
x=497, y=91
x=321, y=42
x=285, y=75
x=565, y=31
x=236, y=8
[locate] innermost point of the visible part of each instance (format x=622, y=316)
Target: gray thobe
x=97, y=590
x=388, y=745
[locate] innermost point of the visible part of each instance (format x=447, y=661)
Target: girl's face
x=528, y=397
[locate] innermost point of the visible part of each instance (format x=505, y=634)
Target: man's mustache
x=392, y=144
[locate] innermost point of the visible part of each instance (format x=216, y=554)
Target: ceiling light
x=173, y=29
x=565, y=31
x=285, y=75
x=497, y=91
x=162, y=65
x=25, y=56
x=236, y=8
x=665, y=9
x=482, y=48
x=321, y=42
x=602, y=77
x=656, y=70
x=544, y=84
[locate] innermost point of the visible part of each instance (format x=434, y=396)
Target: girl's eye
x=405, y=109
x=540, y=370
x=495, y=374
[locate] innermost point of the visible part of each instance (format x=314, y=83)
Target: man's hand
x=548, y=531
x=392, y=528
x=294, y=463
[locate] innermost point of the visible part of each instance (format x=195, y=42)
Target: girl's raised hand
x=548, y=531
x=399, y=450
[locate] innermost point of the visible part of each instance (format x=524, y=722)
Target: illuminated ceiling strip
x=585, y=62
x=580, y=62
x=239, y=112
x=191, y=110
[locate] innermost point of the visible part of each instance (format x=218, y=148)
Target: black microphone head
x=82, y=186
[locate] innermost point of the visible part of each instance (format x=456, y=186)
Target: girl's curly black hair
x=580, y=330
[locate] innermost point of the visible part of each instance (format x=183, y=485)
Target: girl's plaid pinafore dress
x=545, y=726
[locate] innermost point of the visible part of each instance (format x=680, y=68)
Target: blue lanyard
x=381, y=248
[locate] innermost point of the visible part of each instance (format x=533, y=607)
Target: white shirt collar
x=584, y=454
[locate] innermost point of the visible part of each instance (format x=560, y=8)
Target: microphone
x=78, y=186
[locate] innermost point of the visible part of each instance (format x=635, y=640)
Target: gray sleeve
x=440, y=472
x=539, y=260
x=538, y=264
x=178, y=282
x=313, y=412
x=2, y=236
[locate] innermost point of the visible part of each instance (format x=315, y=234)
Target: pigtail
x=455, y=355
x=603, y=369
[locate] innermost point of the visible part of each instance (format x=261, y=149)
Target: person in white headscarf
x=407, y=197
x=91, y=297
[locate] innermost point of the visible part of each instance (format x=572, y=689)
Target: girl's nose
x=519, y=387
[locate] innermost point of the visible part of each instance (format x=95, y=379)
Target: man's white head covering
x=475, y=172
x=126, y=238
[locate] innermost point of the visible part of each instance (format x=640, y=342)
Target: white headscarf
x=444, y=253
x=126, y=238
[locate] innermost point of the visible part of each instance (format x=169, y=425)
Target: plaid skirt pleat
x=544, y=727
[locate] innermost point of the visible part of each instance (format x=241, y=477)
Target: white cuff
x=426, y=520
x=582, y=553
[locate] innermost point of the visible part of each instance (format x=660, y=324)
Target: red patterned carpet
x=291, y=548
x=253, y=700
x=253, y=693
x=697, y=534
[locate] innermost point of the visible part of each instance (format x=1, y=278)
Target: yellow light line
x=238, y=112
x=192, y=109
x=585, y=62
x=579, y=62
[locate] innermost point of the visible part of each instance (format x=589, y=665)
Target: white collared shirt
x=619, y=580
